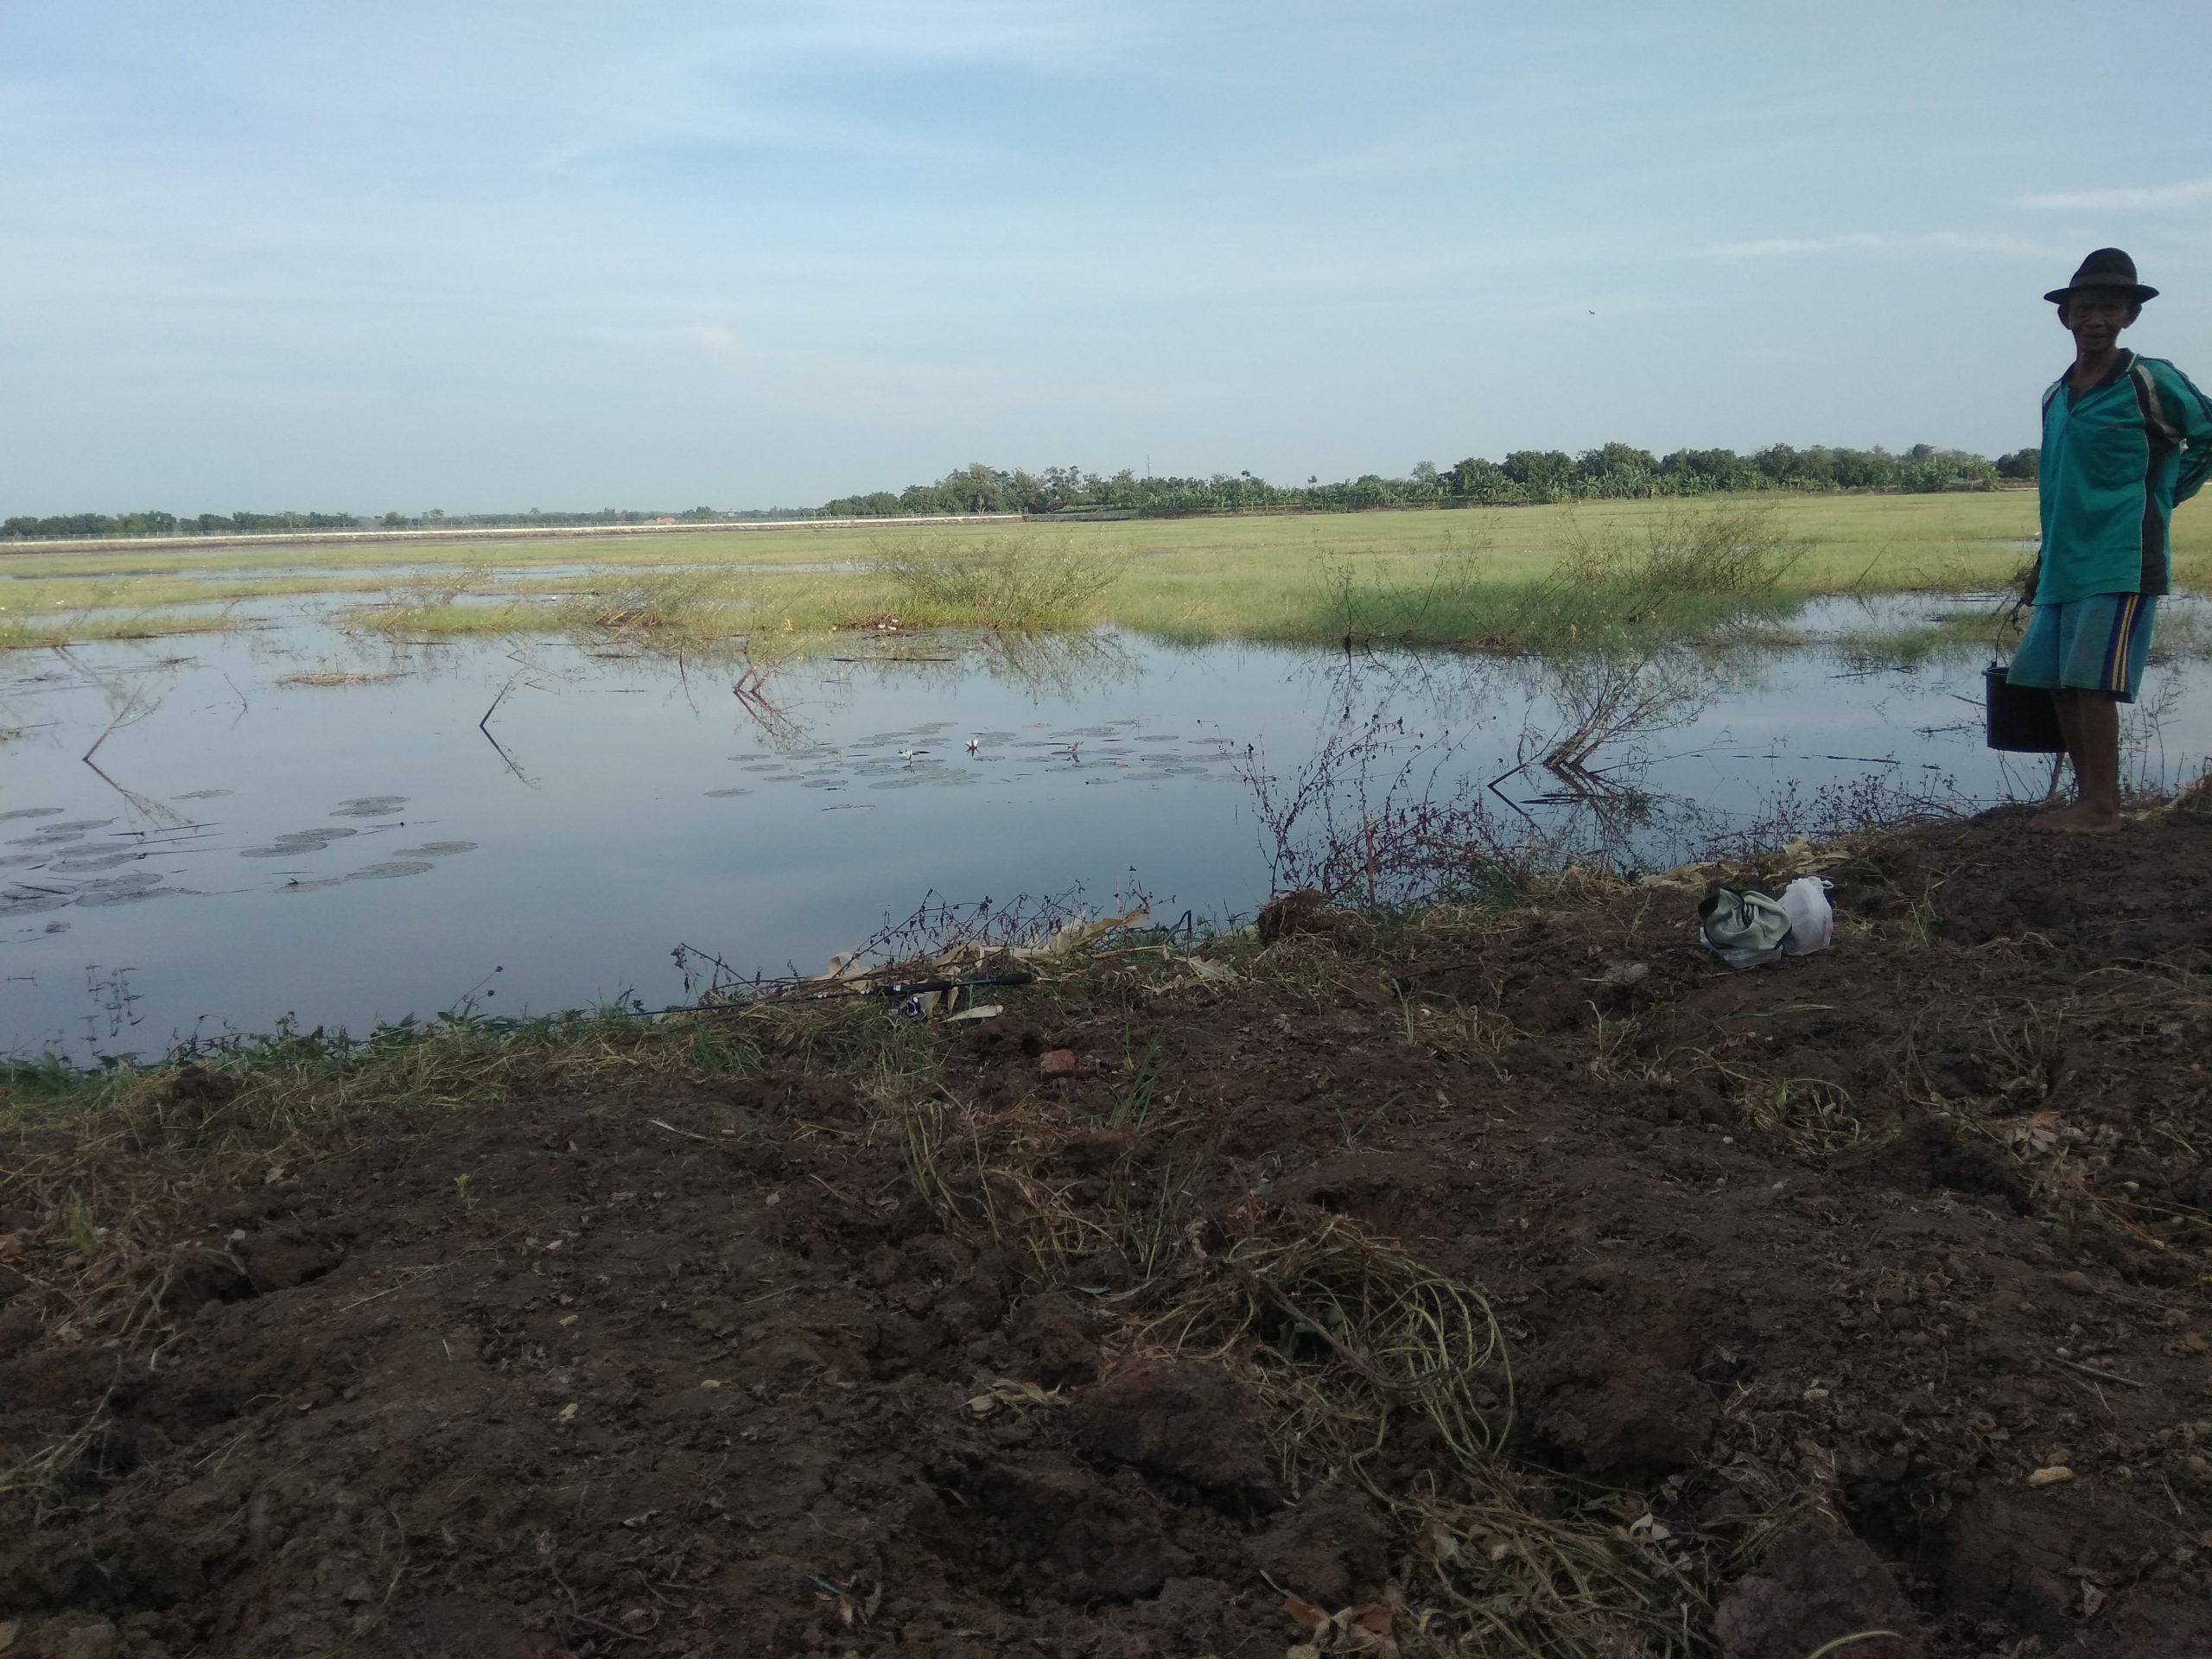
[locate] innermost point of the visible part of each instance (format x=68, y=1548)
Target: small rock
x=2054, y=1474
x=2077, y=1281
x=1057, y=1063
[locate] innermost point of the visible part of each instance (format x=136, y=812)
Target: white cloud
x=2148, y=199
x=1883, y=242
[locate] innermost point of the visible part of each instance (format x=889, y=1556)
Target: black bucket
x=2023, y=719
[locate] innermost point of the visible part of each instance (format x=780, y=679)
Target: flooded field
x=215, y=834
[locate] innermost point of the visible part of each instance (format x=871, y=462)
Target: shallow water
x=236, y=851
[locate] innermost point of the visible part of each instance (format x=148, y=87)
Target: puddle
x=345, y=859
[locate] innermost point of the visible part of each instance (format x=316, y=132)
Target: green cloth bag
x=1743, y=929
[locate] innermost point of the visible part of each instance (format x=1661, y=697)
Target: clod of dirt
x=283, y=1257
x=1182, y=1420
x=1093, y=1152
x=1812, y=1588
x=1287, y=915
x=195, y=1086
x=1304, y=912
x=1617, y=1412
x=1053, y=1342
x=61, y=1638
x=1332, y=1549
x=1057, y=1063
x=1930, y=1151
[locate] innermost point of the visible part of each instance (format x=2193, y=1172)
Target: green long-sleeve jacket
x=2115, y=460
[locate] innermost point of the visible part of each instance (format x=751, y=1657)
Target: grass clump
x=1340, y=1330
x=84, y=627
x=1509, y=1568
x=1013, y=582
x=658, y=605
x=1687, y=575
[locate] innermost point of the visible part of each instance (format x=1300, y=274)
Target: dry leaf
x=1077, y=935
x=567, y=1414
x=987, y=1011
x=2092, y=1599
x=1363, y=1629
x=1007, y=1391
x=1010, y=1392
x=10, y=1629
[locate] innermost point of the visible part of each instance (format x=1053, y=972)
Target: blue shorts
x=2097, y=643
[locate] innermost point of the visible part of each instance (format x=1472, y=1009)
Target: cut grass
x=336, y=677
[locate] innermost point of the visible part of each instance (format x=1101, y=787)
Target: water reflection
x=353, y=849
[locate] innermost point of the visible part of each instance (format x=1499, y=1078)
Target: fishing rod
x=899, y=987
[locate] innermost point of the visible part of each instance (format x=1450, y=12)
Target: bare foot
x=2078, y=819
x=2052, y=820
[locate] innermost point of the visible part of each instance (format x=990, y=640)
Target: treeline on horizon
x=64, y=525
x=1616, y=471
x=1612, y=472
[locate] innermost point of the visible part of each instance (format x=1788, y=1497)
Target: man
x=2124, y=438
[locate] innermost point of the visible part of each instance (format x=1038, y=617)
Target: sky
x=487, y=255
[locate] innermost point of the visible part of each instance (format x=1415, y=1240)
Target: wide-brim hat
x=2106, y=268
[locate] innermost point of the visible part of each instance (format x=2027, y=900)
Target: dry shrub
x=1812, y=1117
x=1515, y=1566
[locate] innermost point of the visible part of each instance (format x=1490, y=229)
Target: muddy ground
x=1519, y=1284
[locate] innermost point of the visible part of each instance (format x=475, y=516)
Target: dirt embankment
x=1521, y=1285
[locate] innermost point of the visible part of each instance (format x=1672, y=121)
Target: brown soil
x=1802, y=1273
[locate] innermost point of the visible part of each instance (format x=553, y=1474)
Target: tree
x=1542, y=475
x=2020, y=464
x=1616, y=470
x=1478, y=480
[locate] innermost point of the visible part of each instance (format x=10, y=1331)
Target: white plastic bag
x=1812, y=919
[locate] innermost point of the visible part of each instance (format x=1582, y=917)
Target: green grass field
x=1498, y=578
